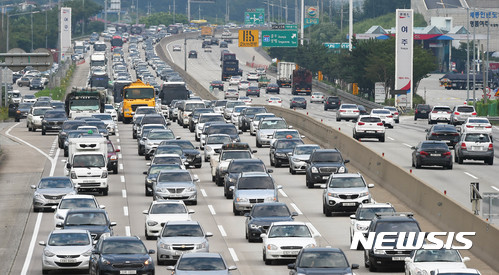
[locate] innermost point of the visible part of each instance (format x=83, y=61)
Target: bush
x=58, y=93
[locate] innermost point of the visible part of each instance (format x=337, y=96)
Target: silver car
x=179, y=237
x=234, y=119
x=266, y=129
x=256, y=121
x=177, y=185
x=201, y=263
x=344, y=193
x=69, y=202
x=67, y=249
x=109, y=121
x=347, y=112
x=252, y=188
x=50, y=190
x=214, y=144
x=298, y=158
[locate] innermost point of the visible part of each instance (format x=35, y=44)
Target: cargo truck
x=301, y=82
x=459, y=81
x=172, y=91
x=284, y=73
x=83, y=102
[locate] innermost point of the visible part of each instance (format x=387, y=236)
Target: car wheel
x=45, y=271
x=272, y=163
x=147, y=156
x=105, y=191
x=455, y=157
x=366, y=261
x=235, y=211
x=338, y=119
x=44, y=132
x=412, y=162
x=490, y=161
x=141, y=151
x=197, y=166
x=382, y=139
x=449, y=166
x=147, y=192
x=195, y=202
x=460, y=159
x=258, y=144
x=196, y=138
x=36, y=209
x=66, y=152
x=309, y=184
x=397, y=121
x=134, y=135
x=372, y=267
x=418, y=164
x=160, y=262
x=415, y=118
x=115, y=170
x=292, y=171
x=327, y=211
x=213, y=178
x=17, y=119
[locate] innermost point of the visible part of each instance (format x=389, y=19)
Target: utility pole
x=302, y=19
x=105, y=14
x=189, y=11
x=350, y=29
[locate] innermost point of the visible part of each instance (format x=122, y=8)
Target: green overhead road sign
x=284, y=38
x=336, y=45
x=254, y=18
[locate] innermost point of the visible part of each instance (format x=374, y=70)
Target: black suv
x=280, y=149
x=53, y=120
x=332, y=102
x=247, y=115
x=191, y=153
x=390, y=222
x=422, y=111
x=322, y=163
x=68, y=125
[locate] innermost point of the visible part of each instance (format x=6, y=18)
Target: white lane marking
x=408, y=145
x=390, y=138
x=120, y=156
x=122, y=178
x=233, y=254
x=312, y=227
x=117, y=134
x=118, y=140
x=32, y=244
x=222, y=231
x=127, y=231
x=121, y=166
x=119, y=147
x=123, y=193
x=497, y=189
x=27, y=143
x=470, y=175
x=125, y=211
x=169, y=53
x=203, y=192
x=296, y=209
x=282, y=193
x=52, y=168
x=212, y=210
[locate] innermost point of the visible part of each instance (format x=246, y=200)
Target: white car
x=369, y=127
x=439, y=114
x=235, y=113
x=246, y=99
x=109, y=108
x=177, y=48
x=385, y=116
x=69, y=202
x=423, y=261
x=109, y=121
x=284, y=240
x=243, y=85
x=477, y=125
x=252, y=76
x=35, y=117
x=234, y=80
x=395, y=113
x=214, y=144
x=231, y=93
x=260, y=71
x=317, y=97
x=275, y=101
x=360, y=221
x=160, y=212
x=454, y=271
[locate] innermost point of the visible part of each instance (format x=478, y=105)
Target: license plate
x=435, y=155
x=423, y=112
x=325, y=177
x=290, y=252
x=348, y=204
x=476, y=148
x=128, y=271
x=88, y=181
x=70, y=260
x=178, y=252
x=371, y=132
x=479, y=127
x=446, y=141
x=398, y=258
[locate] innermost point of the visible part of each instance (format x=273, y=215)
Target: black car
x=36, y=84
x=112, y=157
x=22, y=110
x=121, y=255
x=206, y=43
x=214, y=41
x=223, y=44
x=253, y=90
x=326, y=260
x=422, y=111
x=194, y=116
x=192, y=155
x=322, y=163
x=95, y=220
x=247, y=115
x=332, y=102
x=217, y=84
x=396, y=222
x=193, y=54
x=362, y=110
x=298, y=102
x=238, y=166
x=68, y=134
x=280, y=149
x=431, y=153
x=443, y=132
x=262, y=215
x=272, y=88
x=53, y=120
x=57, y=105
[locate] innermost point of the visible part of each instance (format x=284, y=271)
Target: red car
x=112, y=157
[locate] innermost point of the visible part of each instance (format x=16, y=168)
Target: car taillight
x=473, y=114
x=342, y=110
x=279, y=101
x=490, y=126
x=456, y=113
x=434, y=112
x=463, y=146
x=355, y=111
x=434, y=134
x=293, y=101
x=446, y=154
x=423, y=153
x=361, y=123
x=379, y=123
x=470, y=126
x=455, y=134
x=491, y=147
x=389, y=116
x=449, y=112
x=396, y=113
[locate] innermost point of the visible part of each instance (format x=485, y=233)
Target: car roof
x=87, y=210
x=182, y=222
x=346, y=175
x=166, y=155
x=202, y=255
x=254, y=174
x=57, y=178
x=168, y=202
x=322, y=249
x=78, y=196
x=289, y=223
x=122, y=238
x=247, y=160
x=68, y=230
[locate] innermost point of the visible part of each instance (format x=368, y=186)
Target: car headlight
x=242, y=199
x=361, y=227
x=162, y=190
x=48, y=253
x=152, y=223
x=254, y=226
x=295, y=159
x=104, y=175
x=280, y=155
x=312, y=245
x=190, y=189
x=262, y=135
x=270, y=199
x=38, y=195
x=149, y=181
x=271, y=247
x=314, y=170
x=334, y=195
x=208, y=149
x=148, y=261
x=87, y=253
x=201, y=245
x=73, y=175
x=104, y=261
x=165, y=246
x=342, y=169
x=363, y=194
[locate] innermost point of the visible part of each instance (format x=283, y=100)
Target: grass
x=58, y=93
x=4, y=113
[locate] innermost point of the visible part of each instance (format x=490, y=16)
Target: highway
x=126, y=198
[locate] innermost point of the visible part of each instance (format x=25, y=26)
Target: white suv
x=385, y=116
x=439, y=114
x=360, y=221
x=344, y=193
x=369, y=127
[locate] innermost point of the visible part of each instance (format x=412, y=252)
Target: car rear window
x=397, y=226
x=434, y=145
x=442, y=109
x=477, y=138
x=370, y=119
x=465, y=109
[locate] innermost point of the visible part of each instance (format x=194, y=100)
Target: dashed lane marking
x=233, y=254
x=296, y=209
x=222, y=231
x=212, y=210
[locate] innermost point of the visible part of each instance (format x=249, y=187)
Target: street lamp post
x=8, y=27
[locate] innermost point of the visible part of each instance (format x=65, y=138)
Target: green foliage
x=164, y=18
x=376, y=8
x=4, y=113
x=58, y=93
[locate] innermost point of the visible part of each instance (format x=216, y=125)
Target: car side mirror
x=466, y=259
x=263, y=235
x=270, y=171
x=171, y=267
x=240, y=131
x=113, y=224
x=370, y=185
x=291, y=266
x=145, y=212
x=191, y=211
x=33, y=186
x=355, y=266
x=195, y=177
x=151, y=251
x=407, y=260
x=413, y=148
x=148, y=164
x=208, y=234
x=246, y=214
x=279, y=187
x=232, y=268
x=59, y=225
x=102, y=206
x=117, y=150
x=254, y=151
x=290, y=127
x=68, y=165
x=168, y=123
x=352, y=216
x=346, y=161
x=178, y=137
x=426, y=130
x=42, y=243
x=145, y=172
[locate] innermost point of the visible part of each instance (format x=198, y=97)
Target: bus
x=174, y=29
x=100, y=46
x=137, y=29
x=116, y=41
x=136, y=95
x=198, y=23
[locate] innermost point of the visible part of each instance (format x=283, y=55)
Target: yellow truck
x=207, y=31
x=135, y=95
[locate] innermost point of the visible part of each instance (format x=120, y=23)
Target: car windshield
x=191, y=106
x=465, y=109
x=327, y=157
x=232, y=104
x=168, y=208
x=368, y=213
x=239, y=167
x=141, y=111
x=183, y=230
x=88, y=161
x=103, y=116
x=477, y=138
x=69, y=239
x=478, y=120
x=161, y=135
x=228, y=130
x=77, y=203
x=174, y=177
x=167, y=160
x=169, y=150
x=286, y=231
x=91, y=218
x=203, y=119
x=201, y=264
x=342, y=182
x=253, y=111
x=305, y=150
x=444, y=128
x=323, y=259
x=40, y=112
x=287, y=144
x=247, y=183
x=431, y=146
x=123, y=247
x=270, y=211
x=442, y=109
x=236, y=155
x=397, y=226
x=238, y=109
x=218, y=139
x=437, y=255
x=273, y=124
x=55, y=183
